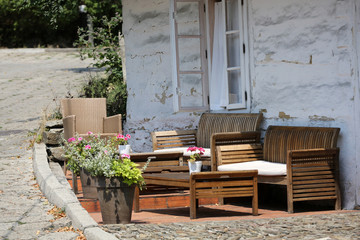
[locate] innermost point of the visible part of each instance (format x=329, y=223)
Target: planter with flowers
x=194, y=161
x=116, y=176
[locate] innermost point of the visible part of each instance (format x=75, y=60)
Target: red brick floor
x=172, y=208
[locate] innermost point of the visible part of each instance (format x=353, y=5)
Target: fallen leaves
x=57, y=213
x=71, y=229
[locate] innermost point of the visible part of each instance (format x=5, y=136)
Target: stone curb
x=63, y=197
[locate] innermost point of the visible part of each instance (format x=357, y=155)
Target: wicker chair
x=81, y=115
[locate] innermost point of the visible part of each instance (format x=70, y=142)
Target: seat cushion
x=263, y=167
x=184, y=150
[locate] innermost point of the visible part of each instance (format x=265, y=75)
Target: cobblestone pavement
x=320, y=227
x=30, y=81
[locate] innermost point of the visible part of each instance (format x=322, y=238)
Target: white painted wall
x=304, y=71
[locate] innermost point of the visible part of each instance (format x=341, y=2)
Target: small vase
x=124, y=149
x=116, y=200
x=194, y=166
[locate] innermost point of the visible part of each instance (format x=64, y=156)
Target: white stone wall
x=146, y=31
x=303, y=66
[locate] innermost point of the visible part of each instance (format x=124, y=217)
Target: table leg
x=192, y=198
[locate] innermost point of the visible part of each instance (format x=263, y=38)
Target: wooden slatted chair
x=305, y=159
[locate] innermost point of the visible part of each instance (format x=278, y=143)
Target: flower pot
x=124, y=149
x=88, y=184
x=194, y=166
x=116, y=200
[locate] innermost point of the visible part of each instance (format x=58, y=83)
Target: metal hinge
x=206, y=54
x=208, y=98
x=244, y=48
x=242, y=2
x=204, y=8
x=245, y=95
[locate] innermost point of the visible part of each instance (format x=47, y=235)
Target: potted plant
x=77, y=149
x=194, y=162
x=122, y=141
x=115, y=176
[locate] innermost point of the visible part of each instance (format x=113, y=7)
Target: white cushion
x=263, y=167
x=184, y=150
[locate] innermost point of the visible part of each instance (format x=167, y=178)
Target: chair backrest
x=228, y=154
x=279, y=139
x=89, y=113
x=210, y=123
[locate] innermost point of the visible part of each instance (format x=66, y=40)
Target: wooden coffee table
x=210, y=184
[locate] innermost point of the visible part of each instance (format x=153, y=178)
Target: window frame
x=175, y=58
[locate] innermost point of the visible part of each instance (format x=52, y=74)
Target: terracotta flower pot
x=116, y=200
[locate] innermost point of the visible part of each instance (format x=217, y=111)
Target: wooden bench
x=166, y=162
x=244, y=128
x=310, y=156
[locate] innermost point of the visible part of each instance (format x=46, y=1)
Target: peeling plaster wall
x=303, y=71
x=146, y=31
x=303, y=67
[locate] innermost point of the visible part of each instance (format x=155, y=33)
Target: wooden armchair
x=305, y=159
x=81, y=115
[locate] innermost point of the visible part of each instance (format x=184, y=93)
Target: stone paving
x=33, y=81
x=321, y=227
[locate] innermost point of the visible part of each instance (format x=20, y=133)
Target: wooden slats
x=173, y=139
x=224, y=183
x=238, y=153
x=315, y=190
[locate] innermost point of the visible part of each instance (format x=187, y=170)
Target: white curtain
x=218, y=86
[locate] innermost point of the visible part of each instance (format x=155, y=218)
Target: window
x=189, y=41
x=225, y=85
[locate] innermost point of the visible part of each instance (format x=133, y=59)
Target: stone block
x=56, y=154
x=53, y=136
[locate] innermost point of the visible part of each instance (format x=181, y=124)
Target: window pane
x=187, y=18
x=232, y=15
x=233, y=50
x=234, y=78
x=191, y=90
x=189, y=54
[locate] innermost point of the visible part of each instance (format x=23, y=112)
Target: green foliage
x=100, y=157
x=33, y=23
x=105, y=51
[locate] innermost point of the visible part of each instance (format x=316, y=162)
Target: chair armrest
x=69, y=126
x=113, y=124
x=313, y=174
x=231, y=138
x=173, y=139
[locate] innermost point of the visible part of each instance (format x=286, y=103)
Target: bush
x=105, y=51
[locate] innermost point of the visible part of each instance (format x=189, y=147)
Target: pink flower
x=126, y=139
x=71, y=139
x=89, y=132
x=125, y=156
x=80, y=139
x=105, y=151
x=128, y=136
x=87, y=147
x=120, y=136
